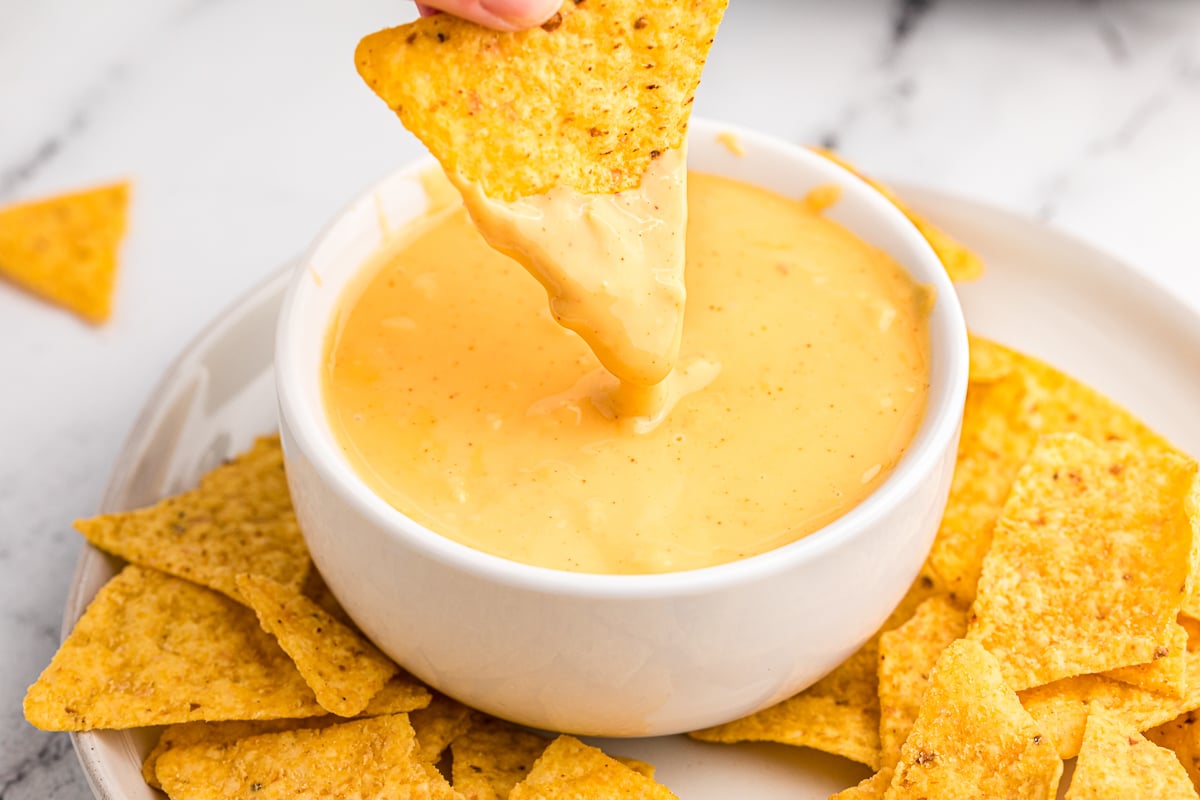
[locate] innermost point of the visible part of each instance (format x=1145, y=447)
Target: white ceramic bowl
x=616, y=655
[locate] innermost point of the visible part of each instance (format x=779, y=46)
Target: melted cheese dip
x=461, y=402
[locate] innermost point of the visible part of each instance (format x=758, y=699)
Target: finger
x=505, y=15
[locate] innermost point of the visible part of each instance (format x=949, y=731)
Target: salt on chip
x=973, y=739
x=374, y=757
x=344, y=669
x=1089, y=563
x=1062, y=708
x=64, y=248
x=961, y=263
x=586, y=101
x=1021, y=399
x=568, y=769
x=1118, y=762
x=872, y=788
x=238, y=520
x=1181, y=736
x=439, y=724
x=839, y=714
x=907, y=656
x=152, y=649
x=492, y=757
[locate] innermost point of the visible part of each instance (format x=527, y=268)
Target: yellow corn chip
x=439, y=724
x=1118, y=762
x=1191, y=605
x=402, y=694
x=1062, y=707
x=65, y=248
x=838, y=714
x=1089, y=563
x=640, y=767
x=1167, y=673
x=1182, y=736
x=1004, y=417
x=972, y=738
x=239, y=519
x=571, y=770
x=961, y=263
x=153, y=650
x=343, y=669
x=871, y=788
x=492, y=757
x=1192, y=626
x=368, y=758
x=907, y=656
x=318, y=591
x=586, y=101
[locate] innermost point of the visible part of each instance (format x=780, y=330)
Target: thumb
x=504, y=15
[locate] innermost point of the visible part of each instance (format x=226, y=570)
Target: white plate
x=1044, y=293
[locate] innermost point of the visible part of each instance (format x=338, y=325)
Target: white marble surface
x=244, y=127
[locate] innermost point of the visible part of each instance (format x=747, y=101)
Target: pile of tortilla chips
x=221, y=630
x=1055, y=618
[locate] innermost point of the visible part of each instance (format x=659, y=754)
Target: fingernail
x=521, y=13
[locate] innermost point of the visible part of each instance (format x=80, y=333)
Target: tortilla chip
x=1191, y=604
x=838, y=714
x=586, y=101
x=640, y=767
x=154, y=650
x=239, y=519
x=961, y=263
x=402, y=694
x=64, y=248
x=1167, y=673
x=972, y=738
x=1004, y=417
x=1182, y=736
x=343, y=669
x=1089, y=563
x=1192, y=626
x=871, y=788
x=907, y=656
x=318, y=591
x=492, y=757
x=570, y=769
x=1118, y=762
x=1062, y=707
x=439, y=724
x=374, y=757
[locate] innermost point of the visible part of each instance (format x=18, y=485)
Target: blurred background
x=244, y=128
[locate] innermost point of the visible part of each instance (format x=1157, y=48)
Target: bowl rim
x=303, y=416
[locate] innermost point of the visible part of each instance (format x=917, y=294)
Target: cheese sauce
x=803, y=377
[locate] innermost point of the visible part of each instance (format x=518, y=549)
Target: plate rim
x=1151, y=291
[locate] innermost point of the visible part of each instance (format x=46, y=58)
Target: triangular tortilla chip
x=1182, y=736
x=371, y=758
x=961, y=263
x=570, y=770
x=1062, y=707
x=907, y=656
x=1089, y=562
x=586, y=101
x=492, y=757
x=838, y=714
x=1005, y=414
x=1118, y=762
x=343, y=669
x=154, y=650
x=973, y=739
x=64, y=248
x=239, y=520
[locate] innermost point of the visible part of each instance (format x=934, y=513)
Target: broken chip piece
x=569, y=769
x=1116, y=761
x=64, y=248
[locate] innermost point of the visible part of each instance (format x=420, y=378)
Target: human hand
x=504, y=15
